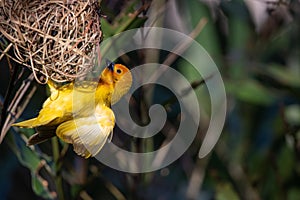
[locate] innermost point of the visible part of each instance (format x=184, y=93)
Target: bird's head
x=119, y=77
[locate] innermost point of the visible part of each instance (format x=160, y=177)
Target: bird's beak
x=110, y=65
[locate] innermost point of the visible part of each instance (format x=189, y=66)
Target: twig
x=85, y=196
x=9, y=90
x=15, y=110
x=58, y=177
x=4, y=52
x=179, y=49
x=237, y=174
x=185, y=91
x=115, y=191
x=196, y=178
x=124, y=27
x=169, y=130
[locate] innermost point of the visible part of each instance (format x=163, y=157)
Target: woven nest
x=54, y=38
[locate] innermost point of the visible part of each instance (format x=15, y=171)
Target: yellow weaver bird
x=79, y=113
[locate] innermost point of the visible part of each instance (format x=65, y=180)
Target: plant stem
x=58, y=178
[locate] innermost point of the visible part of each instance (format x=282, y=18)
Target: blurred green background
x=256, y=46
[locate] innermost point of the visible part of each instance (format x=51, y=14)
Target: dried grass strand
x=54, y=38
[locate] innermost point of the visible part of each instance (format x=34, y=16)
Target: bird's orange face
x=114, y=73
x=119, y=71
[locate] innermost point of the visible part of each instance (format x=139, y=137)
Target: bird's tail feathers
x=43, y=133
x=30, y=123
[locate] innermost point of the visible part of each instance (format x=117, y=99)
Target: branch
x=14, y=110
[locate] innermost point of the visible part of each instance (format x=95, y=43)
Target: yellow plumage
x=79, y=113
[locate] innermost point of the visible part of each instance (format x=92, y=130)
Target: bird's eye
x=119, y=71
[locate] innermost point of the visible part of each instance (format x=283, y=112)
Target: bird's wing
x=52, y=107
x=66, y=102
x=26, y=124
x=88, y=134
x=43, y=119
x=43, y=132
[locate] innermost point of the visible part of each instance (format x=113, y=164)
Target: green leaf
x=107, y=28
x=285, y=76
x=250, y=91
x=293, y=193
x=285, y=163
x=208, y=38
x=127, y=19
x=29, y=158
x=137, y=22
x=292, y=114
x=24, y=154
x=225, y=192
x=41, y=189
